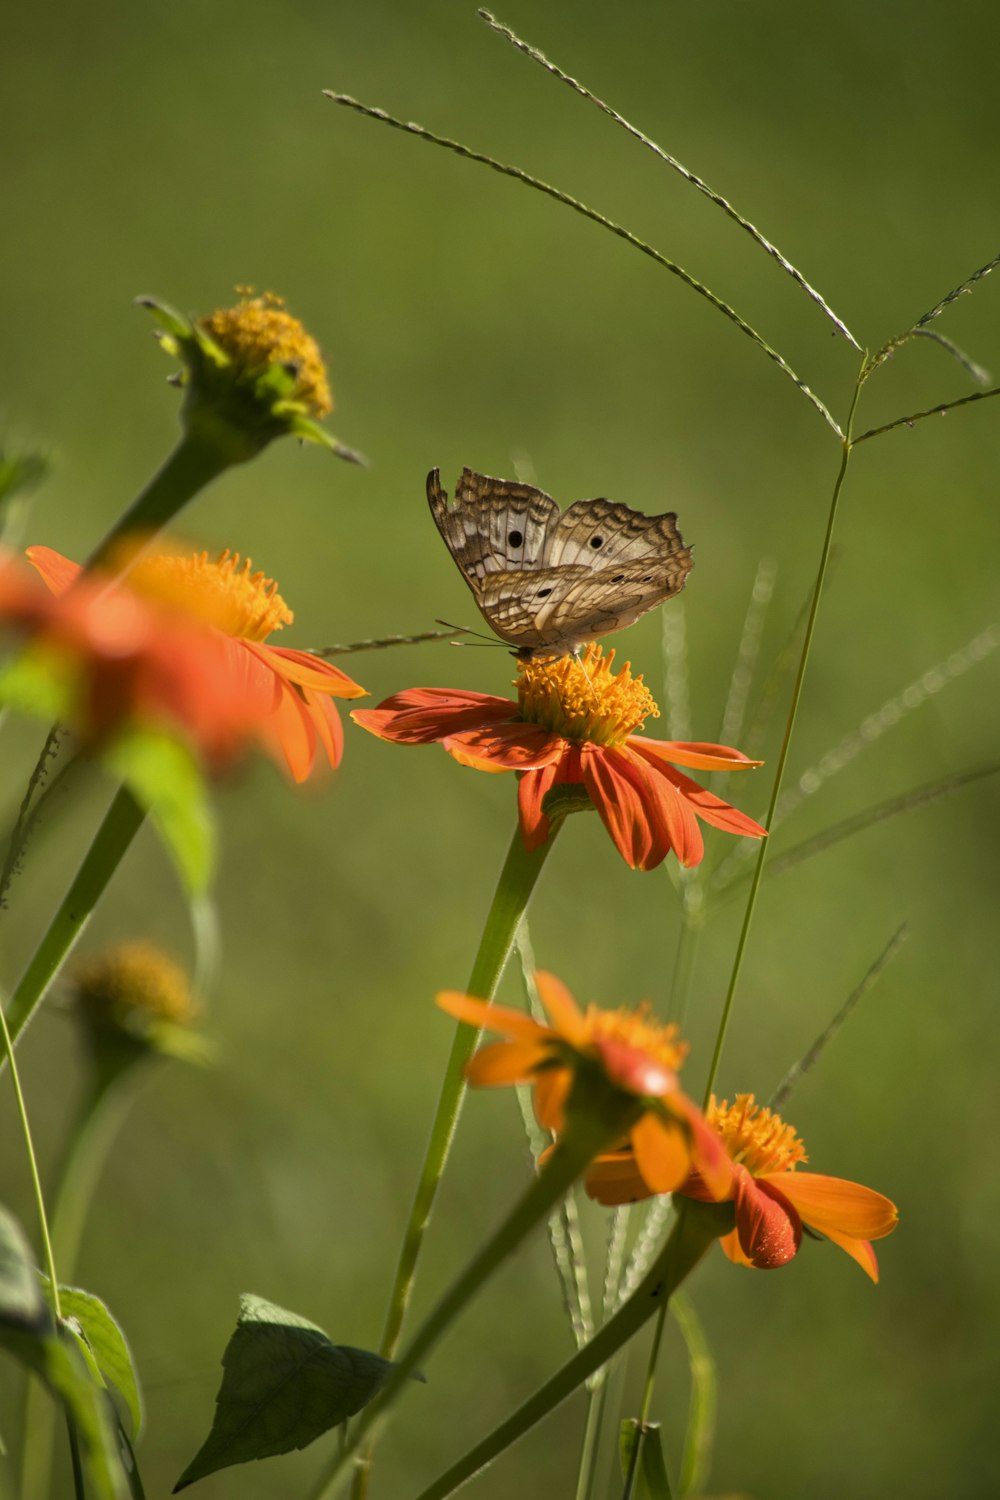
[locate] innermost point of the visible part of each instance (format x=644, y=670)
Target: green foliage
x=28, y=1333
x=284, y=1384
x=105, y=1342
x=165, y=779
x=649, y=1479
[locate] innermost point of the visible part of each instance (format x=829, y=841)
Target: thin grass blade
x=422, y=133
x=812, y=1056
x=671, y=161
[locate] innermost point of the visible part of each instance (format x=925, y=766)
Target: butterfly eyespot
x=596, y=541
x=515, y=539
x=544, y=593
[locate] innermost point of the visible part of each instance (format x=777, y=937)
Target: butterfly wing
x=494, y=525
x=550, y=579
x=554, y=610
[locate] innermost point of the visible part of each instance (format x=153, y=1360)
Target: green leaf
x=651, y=1482
x=27, y=1332
x=22, y=1305
x=283, y=1385
x=164, y=777
x=107, y=1344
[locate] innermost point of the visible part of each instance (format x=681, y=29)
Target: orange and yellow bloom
x=631, y=1050
x=771, y=1199
x=183, y=640
x=574, y=723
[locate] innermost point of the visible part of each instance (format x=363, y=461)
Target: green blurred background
x=178, y=149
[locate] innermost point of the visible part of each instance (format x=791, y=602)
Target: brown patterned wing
x=494, y=525
x=555, y=610
x=602, y=532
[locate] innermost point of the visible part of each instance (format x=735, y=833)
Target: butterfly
x=547, y=580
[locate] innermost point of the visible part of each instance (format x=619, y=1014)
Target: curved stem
x=583, y=1139
x=696, y=1227
x=121, y=823
x=817, y=594
x=517, y=881
x=36, y=1181
x=98, y=1121
x=193, y=464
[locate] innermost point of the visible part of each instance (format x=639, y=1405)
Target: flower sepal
x=250, y=374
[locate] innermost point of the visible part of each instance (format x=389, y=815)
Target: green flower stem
x=587, y=1133
x=121, y=823
x=97, y=1124
x=647, y=1404
x=517, y=881
x=200, y=456
x=696, y=1227
x=800, y=674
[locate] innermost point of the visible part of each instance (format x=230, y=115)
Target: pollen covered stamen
x=755, y=1135
x=223, y=593
x=258, y=332
x=582, y=698
x=640, y=1035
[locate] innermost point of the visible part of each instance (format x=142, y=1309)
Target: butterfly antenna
x=485, y=640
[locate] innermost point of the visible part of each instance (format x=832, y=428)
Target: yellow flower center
x=755, y=1135
x=259, y=332
x=582, y=698
x=130, y=982
x=224, y=593
x=640, y=1031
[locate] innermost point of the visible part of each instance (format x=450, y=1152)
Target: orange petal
x=496, y=1017
x=834, y=1204
x=421, y=716
x=708, y=1155
x=615, y=1179
x=551, y=1090
x=531, y=790
x=769, y=1228
x=507, y=747
x=505, y=1062
x=661, y=1151
x=731, y=1246
x=698, y=757
x=561, y=1009
x=309, y=671
x=618, y=789
x=57, y=571
x=859, y=1250
x=695, y=798
x=669, y=809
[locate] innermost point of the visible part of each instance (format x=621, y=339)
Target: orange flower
x=225, y=612
x=634, y=1052
x=112, y=660
x=771, y=1199
x=573, y=724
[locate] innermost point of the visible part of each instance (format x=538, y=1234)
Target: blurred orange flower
x=636, y=1053
x=187, y=630
x=573, y=724
x=772, y=1199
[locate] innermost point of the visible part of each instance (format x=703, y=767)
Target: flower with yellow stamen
x=574, y=724
x=251, y=373
x=134, y=1000
x=772, y=1199
x=630, y=1050
x=285, y=695
x=259, y=332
